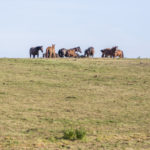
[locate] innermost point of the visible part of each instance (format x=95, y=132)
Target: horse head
x=78, y=49
x=53, y=45
x=41, y=48
x=113, y=49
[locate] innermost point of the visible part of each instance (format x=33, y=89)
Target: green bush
x=80, y=133
x=74, y=134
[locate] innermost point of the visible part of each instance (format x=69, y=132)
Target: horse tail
x=59, y=53
x=93, y=51
x=85, y=53
x=66, y=54
x=122, y=54
x=30, y=52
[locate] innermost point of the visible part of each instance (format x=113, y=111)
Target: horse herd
x=74, y=52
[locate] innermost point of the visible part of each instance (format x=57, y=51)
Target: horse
x=109, y=52
x=119, y=53
x=35, y=51
x=72, y=52
x=89, y=52
x=62, y=52
x=50, y=51
x=105, y=52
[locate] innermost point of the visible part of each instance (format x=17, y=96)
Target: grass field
x=109, y=99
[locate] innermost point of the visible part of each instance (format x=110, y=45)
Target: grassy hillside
x=109, y=99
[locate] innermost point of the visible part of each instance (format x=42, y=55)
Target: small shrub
x=80, y=133
x=74, y=134
x=69, y=134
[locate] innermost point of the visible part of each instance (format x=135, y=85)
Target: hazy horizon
x=69, y=23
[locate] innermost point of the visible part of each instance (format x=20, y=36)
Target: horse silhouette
x=35, y=51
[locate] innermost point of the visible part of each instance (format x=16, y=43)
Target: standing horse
x=50, y=51
x=109, y=52
x=105, y=52
x=35, y=51
x=89, y=52
x=119, y=53
x=72, y=52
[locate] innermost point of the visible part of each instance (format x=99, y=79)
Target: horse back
x=70, y=52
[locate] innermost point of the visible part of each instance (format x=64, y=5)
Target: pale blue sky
x=70, y=23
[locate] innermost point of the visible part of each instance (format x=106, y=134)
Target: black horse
x=62, y=52
x=89, y=52
x=35, y=51
x=109, y=52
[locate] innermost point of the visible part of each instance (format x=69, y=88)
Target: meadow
x=40, y=99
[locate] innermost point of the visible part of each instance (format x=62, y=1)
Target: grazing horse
x=119, y=53
x=109, y=52
x=72, y=52
x=35, y=51
x=50, y=51
x=89, y=52
x=62, y=52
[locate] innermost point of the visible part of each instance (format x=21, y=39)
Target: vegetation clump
x=74, y=134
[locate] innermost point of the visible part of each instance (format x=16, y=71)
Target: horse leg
x=50, y=54
x=54, y=54
x=33, y=56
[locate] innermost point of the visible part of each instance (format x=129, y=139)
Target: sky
x=70, y=23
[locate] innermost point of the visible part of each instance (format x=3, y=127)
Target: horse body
x=105, y=52
x=35, y=51
x=62, y=52
x=72, y=52
x=109, y=52
x=89, y=52
x=119, y=53
x=50, y=51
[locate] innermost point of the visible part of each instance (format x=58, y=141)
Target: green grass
x=41, y=98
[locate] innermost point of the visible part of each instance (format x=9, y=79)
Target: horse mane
x=91, y=47
x=39, y=47
x=114, y=48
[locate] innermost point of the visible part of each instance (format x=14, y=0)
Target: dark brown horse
x=89, y=52
x=109, y=52
x=72, y=52
x=62, y=52
x=35, y=51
